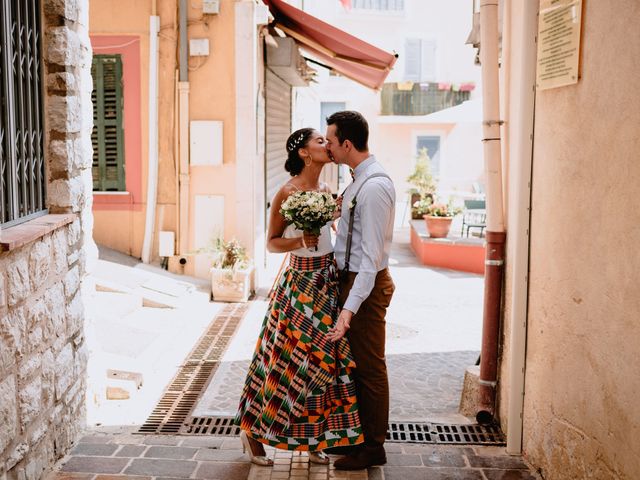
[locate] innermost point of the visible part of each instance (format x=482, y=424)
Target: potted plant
x=231, y=272
x=424, y=186
x=438, y=217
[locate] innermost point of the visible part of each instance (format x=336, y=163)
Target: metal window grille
x=22, y=171
x=108, y=134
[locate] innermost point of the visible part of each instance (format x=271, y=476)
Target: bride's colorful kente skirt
x=299, y=392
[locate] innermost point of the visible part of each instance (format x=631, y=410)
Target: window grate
x=22, y=172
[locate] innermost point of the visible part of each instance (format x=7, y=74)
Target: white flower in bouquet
x=308, y=211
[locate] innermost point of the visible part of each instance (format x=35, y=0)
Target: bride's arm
x=277, y=224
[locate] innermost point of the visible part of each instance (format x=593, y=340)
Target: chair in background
x=474, y=216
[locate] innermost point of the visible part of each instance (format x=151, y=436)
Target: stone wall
x=42, y=346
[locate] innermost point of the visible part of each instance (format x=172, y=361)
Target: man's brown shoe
x=364, y=458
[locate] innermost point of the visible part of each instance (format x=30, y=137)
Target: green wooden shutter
x=108, y=134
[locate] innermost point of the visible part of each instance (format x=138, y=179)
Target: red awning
x=348, y=55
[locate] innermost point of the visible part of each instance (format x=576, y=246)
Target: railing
x=422, y=98
x=22, y=173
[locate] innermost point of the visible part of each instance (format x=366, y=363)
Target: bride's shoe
x=257, y=459
x=319, y=458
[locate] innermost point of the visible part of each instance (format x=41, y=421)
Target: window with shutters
x=108, y=134
x=420, y=60
x=22, y=172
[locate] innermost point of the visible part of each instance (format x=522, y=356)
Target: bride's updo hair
x=296, y=141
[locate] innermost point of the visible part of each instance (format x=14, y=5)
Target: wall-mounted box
x=261, y=14
x=211, y=7
x=205, y=140
x=199, y=47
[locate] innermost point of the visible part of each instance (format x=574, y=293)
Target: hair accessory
x=295, y=143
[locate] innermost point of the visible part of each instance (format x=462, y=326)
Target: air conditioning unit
x=286, y=62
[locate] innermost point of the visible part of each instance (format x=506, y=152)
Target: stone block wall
x=42, y=346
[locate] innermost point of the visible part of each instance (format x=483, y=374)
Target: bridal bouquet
x=308, y=211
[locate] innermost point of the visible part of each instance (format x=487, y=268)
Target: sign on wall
x=558, y=43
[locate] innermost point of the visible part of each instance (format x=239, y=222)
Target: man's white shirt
x=372, y=230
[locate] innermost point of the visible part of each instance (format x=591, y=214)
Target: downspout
x=152, y=176
x=523, y=76
x=494, y=260
x=183, y=131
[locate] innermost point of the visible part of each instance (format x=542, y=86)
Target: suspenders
x=352, y=207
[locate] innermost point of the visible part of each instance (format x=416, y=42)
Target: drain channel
x=179, y=398
x=401, y=432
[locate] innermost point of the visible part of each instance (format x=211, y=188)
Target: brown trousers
x=367, y=337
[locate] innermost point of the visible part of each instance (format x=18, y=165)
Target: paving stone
x=156, y=467
x=95, y=464
x=492, y=474
x=96, y=439
x=223, y=471
x=179, y=453
x=393, y=447
x=120, y=477
x=221, y=455
x=413, y=473
x=95, y=449
x=130, y=451
x=161, y=440
x=504, y=462
x=231, y=443
x=375, y=473
x=72, y=476
x=395, y=459
x=436, y=459
x=202, y=442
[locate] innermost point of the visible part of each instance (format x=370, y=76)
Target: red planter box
x=463, y=254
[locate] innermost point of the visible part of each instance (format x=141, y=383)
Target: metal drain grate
x=179, y=398
x=402, y=432
x=445, y=433
x=222, y=426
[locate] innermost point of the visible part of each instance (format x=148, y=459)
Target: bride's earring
x=309, y=162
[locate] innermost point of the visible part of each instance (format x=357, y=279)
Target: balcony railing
x=422, y=98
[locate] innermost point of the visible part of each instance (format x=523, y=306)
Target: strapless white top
x=325, y=243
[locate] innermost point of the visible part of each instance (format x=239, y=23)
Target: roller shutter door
x=278, y=129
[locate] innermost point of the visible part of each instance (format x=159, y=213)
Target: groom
x=365, y=292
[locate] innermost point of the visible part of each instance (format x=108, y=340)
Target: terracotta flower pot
x=438, y=227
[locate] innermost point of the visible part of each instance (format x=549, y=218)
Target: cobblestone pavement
x=424, y=386
x=117, y=456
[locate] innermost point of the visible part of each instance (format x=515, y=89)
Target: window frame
x=100, y=183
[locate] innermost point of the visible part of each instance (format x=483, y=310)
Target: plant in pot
x=231, y=272
x=424, y=185
x=438, y=217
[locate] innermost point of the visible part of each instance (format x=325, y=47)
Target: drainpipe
x=152, y=177
x=183, y=131
x=494, y=260
x=523, y=76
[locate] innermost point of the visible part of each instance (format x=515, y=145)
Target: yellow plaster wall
x=212, y=97
x=581, y=416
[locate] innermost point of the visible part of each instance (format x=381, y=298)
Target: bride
x=299, y=392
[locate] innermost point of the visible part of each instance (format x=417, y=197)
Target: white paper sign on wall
x=205, y=142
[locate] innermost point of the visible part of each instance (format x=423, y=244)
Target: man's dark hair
x=351, y=126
